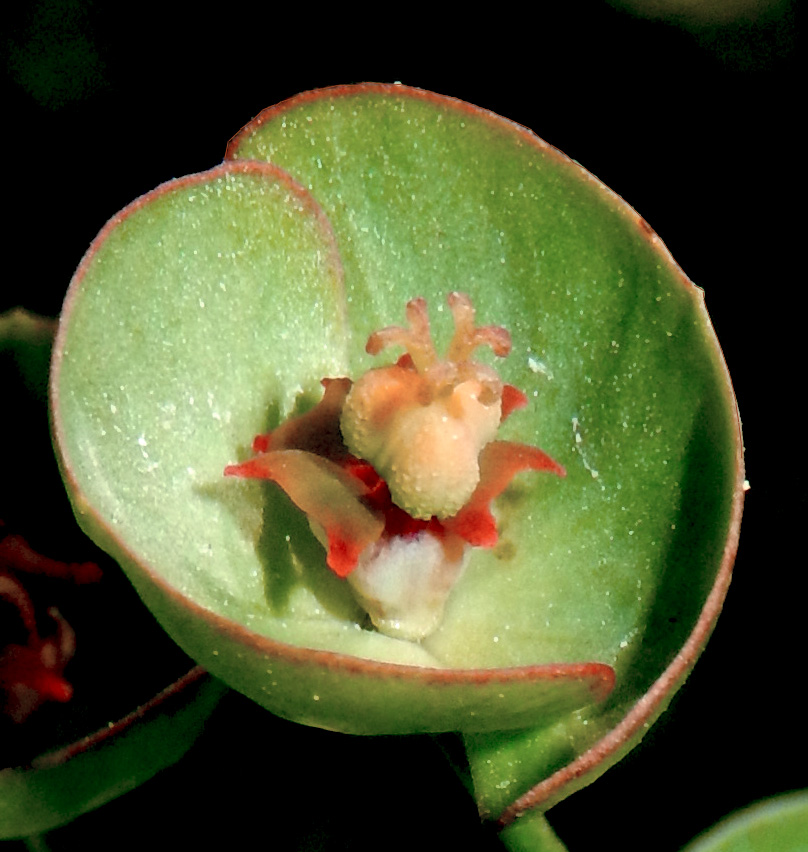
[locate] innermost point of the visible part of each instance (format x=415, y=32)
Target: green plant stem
x=531, y=833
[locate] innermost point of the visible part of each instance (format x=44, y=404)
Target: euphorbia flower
x=397, y=471
x=32, y=674
x=174, y=346
x=32, y=671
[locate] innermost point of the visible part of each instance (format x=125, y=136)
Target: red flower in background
x=32, y=662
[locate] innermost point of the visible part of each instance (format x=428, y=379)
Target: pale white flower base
x=404, y=583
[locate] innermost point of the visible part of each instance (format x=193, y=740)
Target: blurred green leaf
x=60, y=786
x=779, y=824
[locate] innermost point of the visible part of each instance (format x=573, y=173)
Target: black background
x=693, y=124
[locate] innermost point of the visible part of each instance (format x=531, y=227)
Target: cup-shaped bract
x=211, y=310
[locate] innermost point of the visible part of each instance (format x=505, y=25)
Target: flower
x=32, y=671
x=396, y=472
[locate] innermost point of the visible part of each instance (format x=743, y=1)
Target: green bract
x=209, y=310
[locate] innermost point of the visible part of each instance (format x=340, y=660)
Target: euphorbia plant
x=212, y=309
